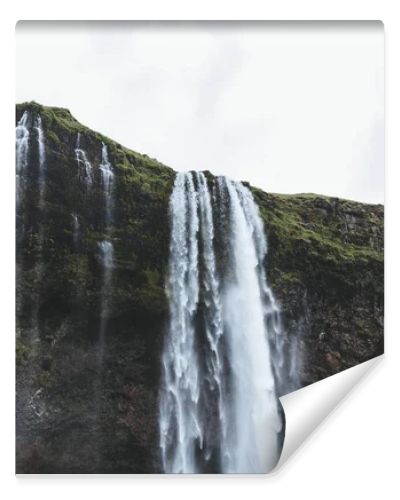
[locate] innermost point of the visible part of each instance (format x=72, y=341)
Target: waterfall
x=218, y=406
x=255, y=421
x=75, y=231
x=213, y=321
x=24, y=128
x=180, y=427
x=106, y=246
x=42, y=161
x=41, y=186
x=21, y=154
x=82, y=161
x=107, y=260
x=107, y=178
x=285, y=364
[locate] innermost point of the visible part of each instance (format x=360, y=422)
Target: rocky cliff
x=76, y=414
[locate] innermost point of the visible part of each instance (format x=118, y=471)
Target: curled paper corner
x=306, y=408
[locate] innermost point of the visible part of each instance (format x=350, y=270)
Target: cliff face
x=88, y=406
x=326, y=267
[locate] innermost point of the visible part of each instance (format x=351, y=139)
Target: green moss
x=24, y=351
x=63, y=120
x=311, y=242
x=152, y=277
x=289, y=279
x=51, y=136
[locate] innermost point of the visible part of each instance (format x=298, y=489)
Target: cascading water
x=42, y=161
x=75, y=230
x=106, y=247
x=106, y=253
x=107, y=178
x=21, y=163
x=22, y=138
x=83, y=161
x=254, y=419
x=21, y=154
x=218, y=405
x=107, y=261
x=213, y=321
x=29, y=127
x=285, y=367
x=180, y=427
x=41, y=176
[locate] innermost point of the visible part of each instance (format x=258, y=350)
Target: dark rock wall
x=325, y=265
x=86, y=407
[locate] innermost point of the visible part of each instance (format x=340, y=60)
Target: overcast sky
x=290, y=108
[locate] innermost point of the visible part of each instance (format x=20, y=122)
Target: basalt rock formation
x=90, y=406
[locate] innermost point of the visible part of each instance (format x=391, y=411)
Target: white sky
x=288, y=107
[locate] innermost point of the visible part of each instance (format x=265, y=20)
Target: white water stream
x=106, y=247
x=219, y=410
x=83, y=162
x=21, y=154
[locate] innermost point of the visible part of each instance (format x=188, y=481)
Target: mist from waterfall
x=219, y=410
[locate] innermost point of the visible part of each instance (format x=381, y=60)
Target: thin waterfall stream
x=41, y=199
x=106, y=247
x=82, y=161
x=42, y=161
x=21, y=154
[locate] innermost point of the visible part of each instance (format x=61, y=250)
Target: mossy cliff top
x=351, y=229
x=327, y=245
x=59, y=121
